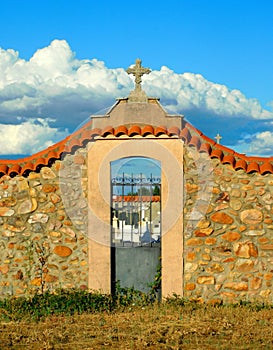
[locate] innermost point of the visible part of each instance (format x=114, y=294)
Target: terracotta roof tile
x=174, y=130
x=108, y=130
x=252, y=168
x=121, y=130
x=185, y=135
x=147, y=130
x=189, y=134
x=240, y=164
x=134, y=130
x=266, y=168
x=206, y=148
x=136, y=198
x=14, y=170
x=228, y=159
x=217, y=153
x=3, y=169
x=195, y=141
x=27, y=168
x=160, y=130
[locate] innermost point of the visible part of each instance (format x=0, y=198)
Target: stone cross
x=218, y=138
x=138, y=71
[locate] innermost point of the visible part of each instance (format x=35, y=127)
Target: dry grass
x=165, y=326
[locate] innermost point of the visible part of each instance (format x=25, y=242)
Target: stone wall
x=228, y=226
x=228, y=231
x=43, y=228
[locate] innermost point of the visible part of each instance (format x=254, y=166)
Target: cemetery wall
x=43, y=228
x=228, y=226
x=228, y=231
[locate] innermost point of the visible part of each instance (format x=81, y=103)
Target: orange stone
x=222, y=218
x=251, y=216
x=203, y=232
x=268, y=276
x=263, y=240
x=228, y=295
x=231, y=236
x=255, y=283
x=242, y=228
x=267, y=247
x=62, y=251
x=190, y=286
x=191, y=188
x=206, y=280
x=238, y=286
x=210, y=240
x=245, y=249
x=36, y=281
x=191, y=256
x=229, y=260
x=4, y=269
x=215, y=268
x=47, y=188
x=194, y=241
x=50, y=278
x=246, y=266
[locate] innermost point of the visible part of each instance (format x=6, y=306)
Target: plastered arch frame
x=169, y=151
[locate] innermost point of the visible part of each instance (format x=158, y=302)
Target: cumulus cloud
x=260, y=144
x=188, y=91
x=54, y=83
x=29, y=137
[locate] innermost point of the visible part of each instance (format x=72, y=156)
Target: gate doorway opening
x=135, y=222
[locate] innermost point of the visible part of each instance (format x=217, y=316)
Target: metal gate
x=135, y=230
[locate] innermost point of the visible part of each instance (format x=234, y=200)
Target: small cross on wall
x=218, y=137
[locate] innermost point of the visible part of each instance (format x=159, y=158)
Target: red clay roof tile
x=266, y=168
x=240, y=164
x=206, y=148
x=121, y=130
x=14, y=170
x=174, y=130
x=252, y=168
x=228, y=159
x=108, y=130
x=185, y=135
x=189, y=134
x=195, y=141
x=160, y=130
x=3, y=169
x=147, y=130
x=134, y=130
x=217, y=153
x=136, y=198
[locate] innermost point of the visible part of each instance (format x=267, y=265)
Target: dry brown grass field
x=158, y=326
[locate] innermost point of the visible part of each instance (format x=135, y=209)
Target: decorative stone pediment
x=138, y=108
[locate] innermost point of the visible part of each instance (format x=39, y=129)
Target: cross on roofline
x=218, y=137
x=138, y=71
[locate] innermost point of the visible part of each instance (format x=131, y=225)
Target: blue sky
x=61, y=61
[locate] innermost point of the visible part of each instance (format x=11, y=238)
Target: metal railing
x=135, y=210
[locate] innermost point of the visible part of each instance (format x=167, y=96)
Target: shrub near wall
x=43, y=246
x=228, y=241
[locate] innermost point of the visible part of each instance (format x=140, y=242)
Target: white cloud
x=28, y=137
x=55, y=84
x=260, y=144
x=192, y=91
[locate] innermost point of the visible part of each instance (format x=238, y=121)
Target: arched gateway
x=145, y=121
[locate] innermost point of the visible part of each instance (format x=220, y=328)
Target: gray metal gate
x=136, y=230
